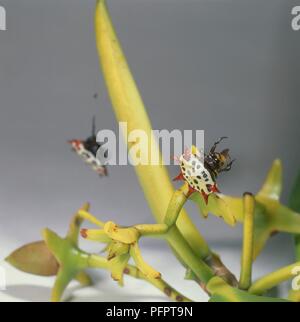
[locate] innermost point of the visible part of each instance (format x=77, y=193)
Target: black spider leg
x=212, y=150
x=228, y=167
x=94, y=126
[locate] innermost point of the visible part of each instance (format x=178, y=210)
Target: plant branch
x=269, y=281
x=247, y=253
x=96, y=261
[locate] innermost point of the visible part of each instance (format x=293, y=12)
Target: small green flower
x=122, y=244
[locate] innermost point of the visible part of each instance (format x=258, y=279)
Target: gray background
x=228, y=67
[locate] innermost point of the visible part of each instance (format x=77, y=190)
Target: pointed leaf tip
x=272, y=186
x=216, y=205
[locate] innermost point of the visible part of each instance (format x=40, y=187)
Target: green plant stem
x=61, y=282
x=158, y=283
x=169, y=231
x=85, y=215
x=176, y=203
x=247, y=254
x=269, y=281
x=175, y=206
x=96, y=261
x=153, y=230
x=211, y=261
x=202, y=271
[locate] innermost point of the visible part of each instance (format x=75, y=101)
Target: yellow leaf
x=273, y=184
x=129, y=108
